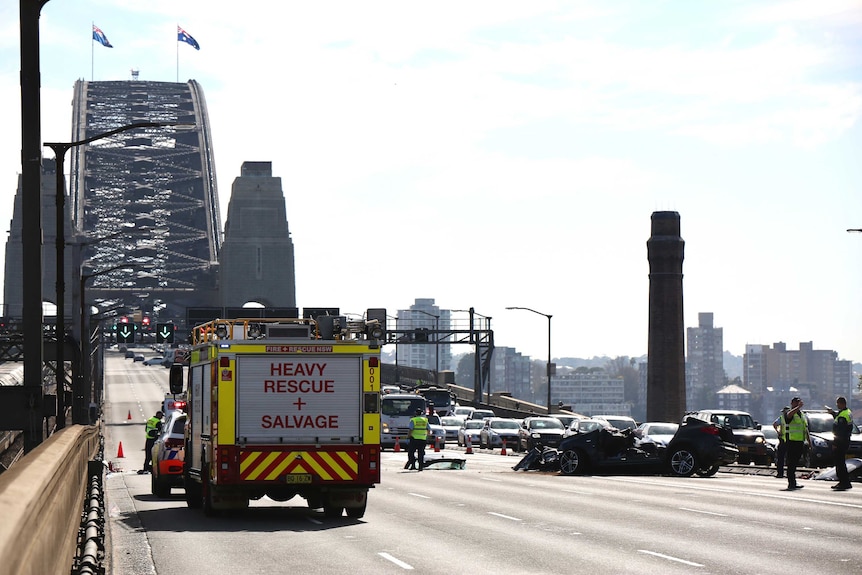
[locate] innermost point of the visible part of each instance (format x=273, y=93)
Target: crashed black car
x=697, y=447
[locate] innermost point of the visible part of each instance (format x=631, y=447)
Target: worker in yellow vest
x=151, y=430
x=418, y=440
x=842, y=428
x=781, y=451
x=796, y=436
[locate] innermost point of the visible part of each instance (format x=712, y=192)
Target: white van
x=396, y=410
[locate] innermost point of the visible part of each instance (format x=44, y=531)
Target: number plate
x=295, y=478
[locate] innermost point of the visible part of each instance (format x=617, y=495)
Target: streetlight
x=547, y=315
x=436, y=339
x=60, y=149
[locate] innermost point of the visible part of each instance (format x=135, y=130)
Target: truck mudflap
x=306, y=466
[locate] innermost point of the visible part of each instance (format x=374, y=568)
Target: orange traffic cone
x=469, y=449
x=397, y=445
x=436, y=445
x=120, y=450
x=503, y=451
x=130, y=415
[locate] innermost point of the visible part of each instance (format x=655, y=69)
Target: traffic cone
x=130, y=415
x=120, y=450
x=503, y=451
x=436, y=445
x=397, y=446
x=469, y=450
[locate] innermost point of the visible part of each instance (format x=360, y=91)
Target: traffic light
x=145, y=321
x=125, y=333
x=165, y=333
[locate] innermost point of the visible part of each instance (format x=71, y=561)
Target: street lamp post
x=436, y=339
x=60, y=149
x=548, y=367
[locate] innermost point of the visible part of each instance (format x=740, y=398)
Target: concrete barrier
x=41, y=501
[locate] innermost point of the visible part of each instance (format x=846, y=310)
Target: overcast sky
x=491, y=153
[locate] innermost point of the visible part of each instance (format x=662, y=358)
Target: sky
x=506, y=153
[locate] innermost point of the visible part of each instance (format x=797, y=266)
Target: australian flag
x=100, y=37
x=183, y=36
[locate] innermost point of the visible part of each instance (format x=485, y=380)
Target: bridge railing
x=41, y=500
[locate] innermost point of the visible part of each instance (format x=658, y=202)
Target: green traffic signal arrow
x=165, y=333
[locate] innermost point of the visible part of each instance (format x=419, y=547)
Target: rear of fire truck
x=284, y=407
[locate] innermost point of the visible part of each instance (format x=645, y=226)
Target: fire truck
x=280, y=408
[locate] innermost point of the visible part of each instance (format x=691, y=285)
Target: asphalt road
x=485, y=518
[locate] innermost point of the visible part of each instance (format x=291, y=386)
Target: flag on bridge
x=183, y=36
x=100, y=37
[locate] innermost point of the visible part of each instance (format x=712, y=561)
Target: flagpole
x=178, y=57
x=92, y=49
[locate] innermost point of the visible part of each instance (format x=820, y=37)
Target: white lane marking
x=669, y=558
x=737, y=492
x=509, y=517
x=492, y=479
x=704, y=512
x=418, y=495
x=576, y=492
x=398, y=562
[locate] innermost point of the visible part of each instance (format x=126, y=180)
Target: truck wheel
x=193, y=492
x=356, y=512
x=206, y=494
x=333, y=511
x=159, y=487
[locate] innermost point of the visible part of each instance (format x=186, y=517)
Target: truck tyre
x=206, y=494
x=159, y=487
x=356, y=512
x=333, y=511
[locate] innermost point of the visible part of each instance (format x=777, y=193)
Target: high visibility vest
x=152, y=426
x=795, y=430
x=838, y=426
x=420, y=428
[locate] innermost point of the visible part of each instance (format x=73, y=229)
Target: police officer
x=842, y=427
x=796, y=436
x=418, y=439
x=151, y=429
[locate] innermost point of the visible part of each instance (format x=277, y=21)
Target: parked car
x=168, y=454
x=138, y=357
x=535, y=431
x=820, y=451
x=451, y=424
x=697, y=447
x=471, y=428
x=128, y=354
x=481, y=414
x=154, y=361
x=619, y=421
x=497, y=430
x=657, y=431
x=747, y=433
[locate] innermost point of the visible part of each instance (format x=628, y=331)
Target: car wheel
x=683, y=462
x=573, y=462
x=708, y=471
